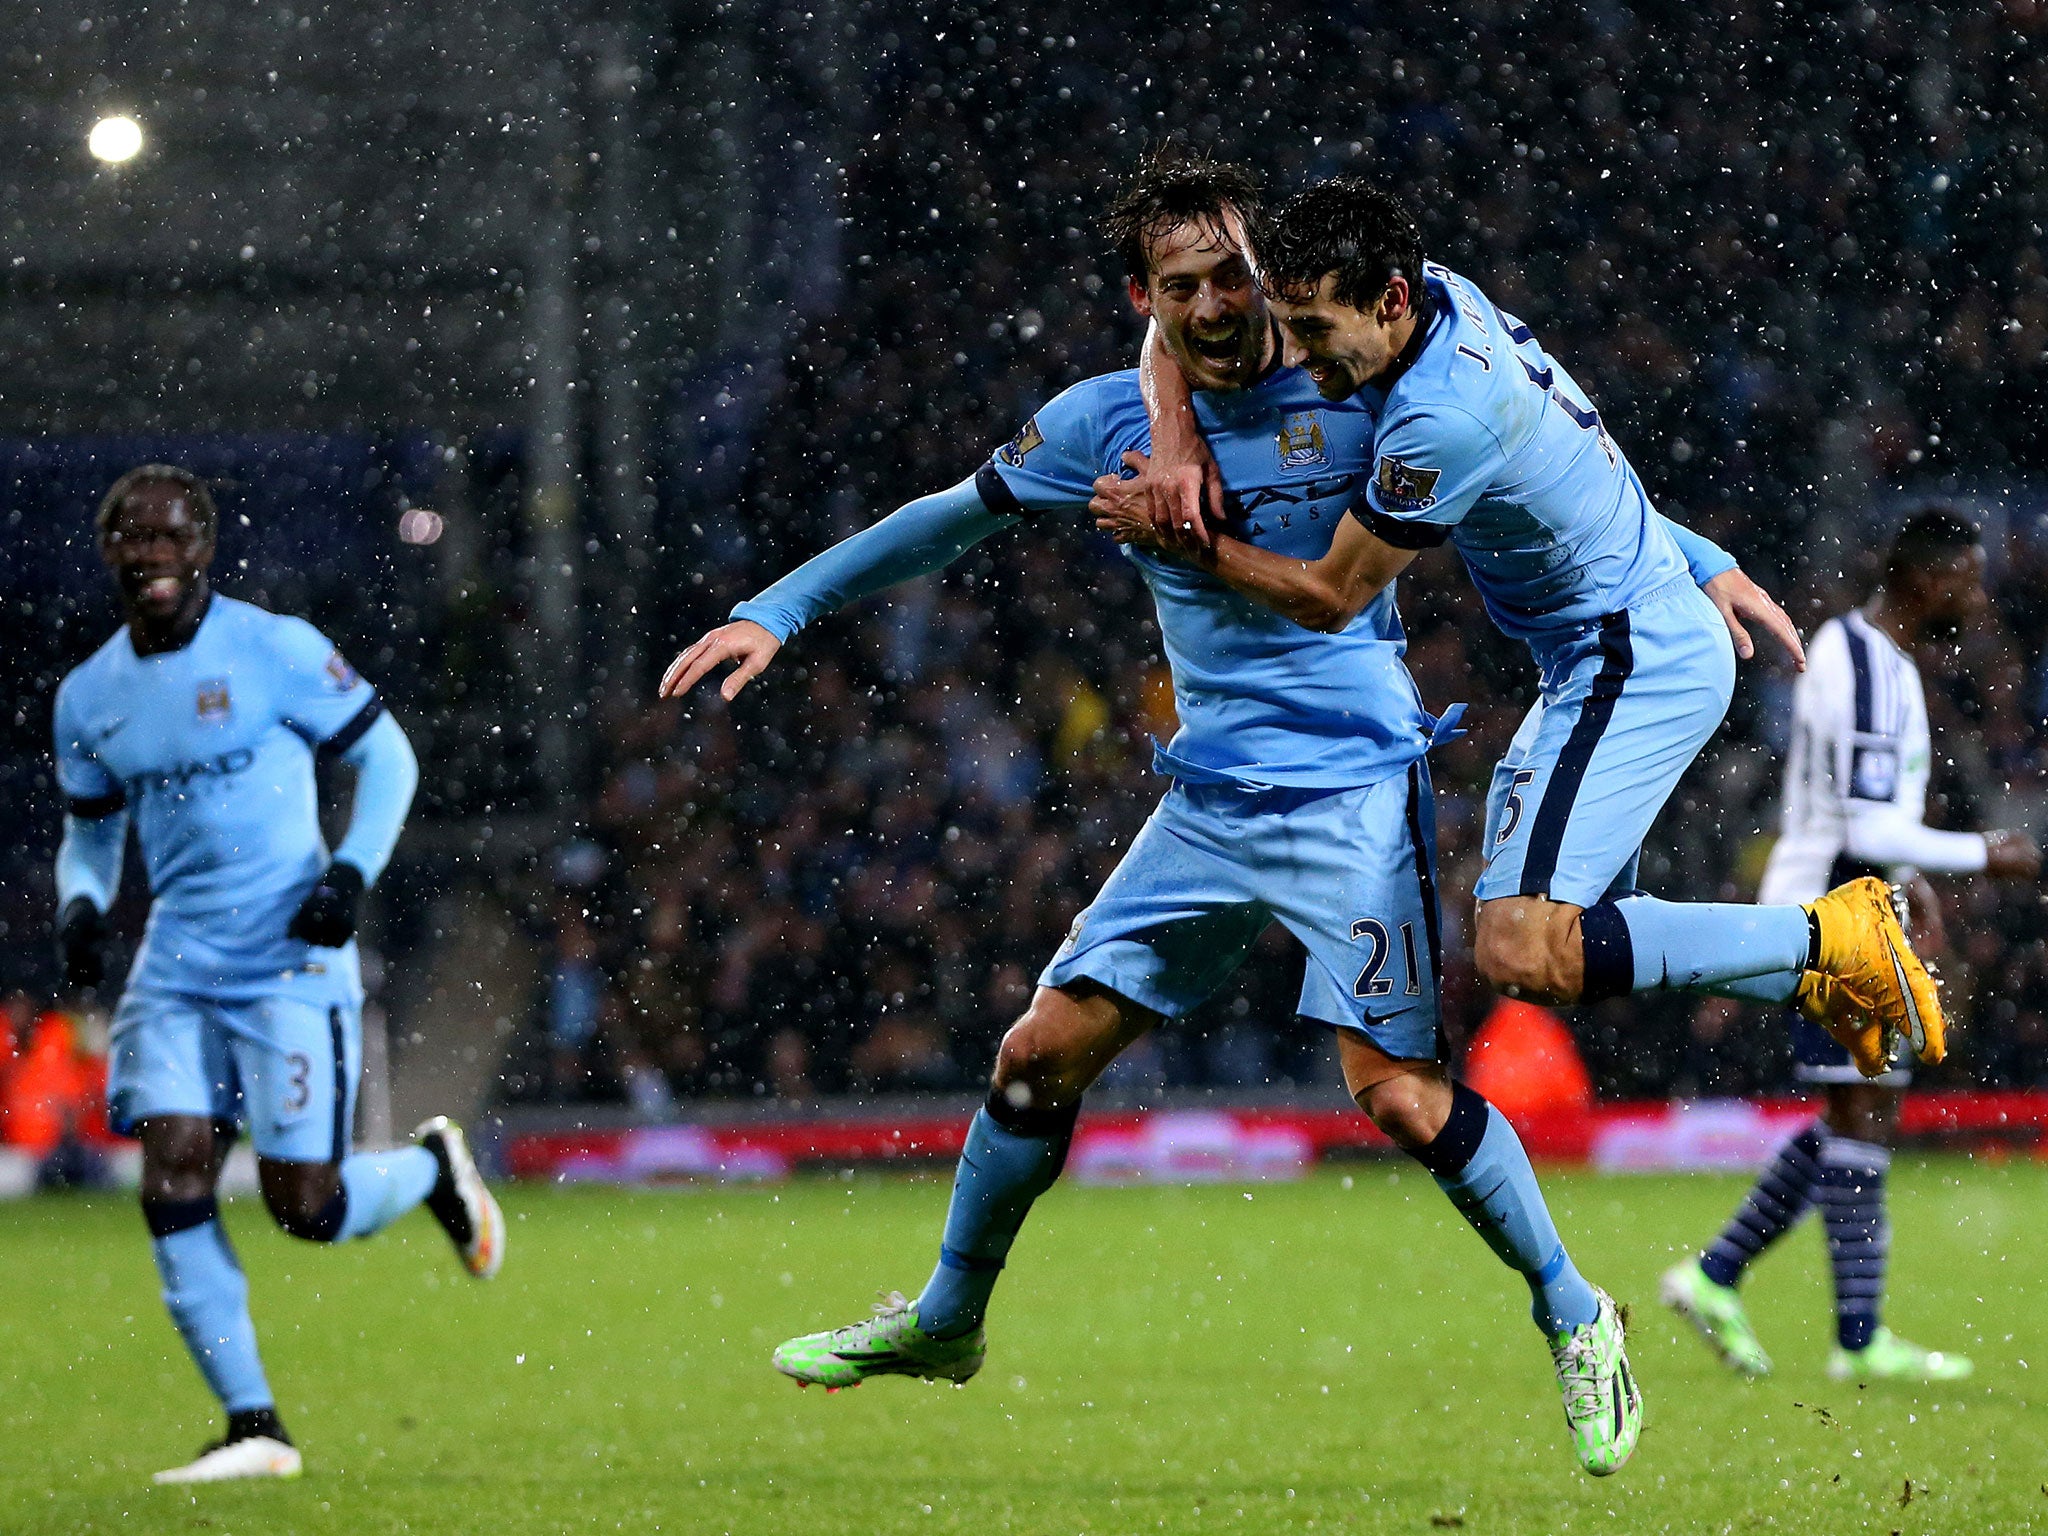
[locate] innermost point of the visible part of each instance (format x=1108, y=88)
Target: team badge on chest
x=1301, y=442
x=213, y=702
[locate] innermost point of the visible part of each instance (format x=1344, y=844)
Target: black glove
x=327, y=916
x=81, y=937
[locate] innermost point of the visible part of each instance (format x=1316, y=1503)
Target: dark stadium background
x=646, y=303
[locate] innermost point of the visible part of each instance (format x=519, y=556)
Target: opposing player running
x=202, y=718
x=1299, y=793
x=1855, y=796
x=1486, y=441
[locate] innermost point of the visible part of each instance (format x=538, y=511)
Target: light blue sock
x=1478, y=1160
x=383, y=1186
x=208, y=1300
x=1001, y=1172
x=1640, y=944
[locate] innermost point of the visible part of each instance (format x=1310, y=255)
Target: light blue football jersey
x=1261, y=701
x=1485, y=440
x=211, y=749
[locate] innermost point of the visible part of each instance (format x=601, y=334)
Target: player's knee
x=1038, y=1065
x=306, y=1200
x=1521, y=955
x=1407, y=1109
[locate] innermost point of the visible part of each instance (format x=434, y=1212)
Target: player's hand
x=743, y=642
x=81, y=943
x=1739, y=598
x=2011, y=856
x=327, y=917
x=1154, y=508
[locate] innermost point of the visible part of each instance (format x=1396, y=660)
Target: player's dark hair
x=1932, y=535
x=1345, y=225
x=204, y=513
x=1173, y=186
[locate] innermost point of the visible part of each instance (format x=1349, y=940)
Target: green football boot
x=1887, y=1357
x=1601, y=1403
x=1716, y=1311
x=888, y=1344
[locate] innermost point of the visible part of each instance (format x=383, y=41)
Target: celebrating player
x=1855, y=793
x=1299, y=793
x=202, y=717
x=1484, y=440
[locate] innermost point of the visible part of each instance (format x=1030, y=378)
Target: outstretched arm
x=926, y=535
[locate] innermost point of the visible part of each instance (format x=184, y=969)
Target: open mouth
x=160, y=589
x=1227, y=348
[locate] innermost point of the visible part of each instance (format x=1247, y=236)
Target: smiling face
x=158, y=548
x=1343, y=349
x=1199, y=288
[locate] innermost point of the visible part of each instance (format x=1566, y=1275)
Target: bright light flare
x=418, y=525
x=115, y=139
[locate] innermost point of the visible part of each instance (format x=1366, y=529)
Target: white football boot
x=461, y=1202
x=227, y=1460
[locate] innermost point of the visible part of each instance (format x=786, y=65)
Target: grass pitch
x=1341, y=1354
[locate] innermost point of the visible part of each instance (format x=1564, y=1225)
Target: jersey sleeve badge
x=341, y=677
x=1404, y=487
x=1028, y=437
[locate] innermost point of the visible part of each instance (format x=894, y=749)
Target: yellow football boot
x=1849, y=1020
x=1865, y=951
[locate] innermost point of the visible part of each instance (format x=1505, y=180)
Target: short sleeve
x=1429, y=466
x=319, y=694
x=89, y=789
x=1053, y=461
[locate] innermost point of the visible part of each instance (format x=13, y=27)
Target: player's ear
x=1394, y=303
x=1141, y=297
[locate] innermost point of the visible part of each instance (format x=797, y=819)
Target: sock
x=251, y=1422
x=380, y=1187
x=1011, y=1158
x=1641, y=944
x=1774, y=1204
x=1477, y=1159
x=1851, y=1198
x=208, y=1299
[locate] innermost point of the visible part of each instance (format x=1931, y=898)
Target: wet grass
x=1334, y=1355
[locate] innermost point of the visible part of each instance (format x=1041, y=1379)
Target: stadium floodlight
x=115, y=140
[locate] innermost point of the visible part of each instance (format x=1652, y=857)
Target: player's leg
x=1353, y=875
x=171, y=1082
x=300, y=1060
x=1018, y=1140
x=1855, y=1161
x=1167, y=927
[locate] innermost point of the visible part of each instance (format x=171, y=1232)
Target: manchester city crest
x=213, y=702
x=1301, y=442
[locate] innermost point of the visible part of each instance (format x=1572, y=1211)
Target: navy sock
x=1851, y=1197
x=1012, y=1157
x=1478, y=1160
x=208, y=1299
x=1781, y=1195
x=1641, y=944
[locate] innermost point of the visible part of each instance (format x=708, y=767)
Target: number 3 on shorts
x=1511, y=812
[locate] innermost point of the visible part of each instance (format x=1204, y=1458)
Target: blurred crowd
x=1797, y=260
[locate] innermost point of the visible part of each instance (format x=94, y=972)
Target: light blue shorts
x=1625, y=708
x=1350, y=872
x=284, y=1067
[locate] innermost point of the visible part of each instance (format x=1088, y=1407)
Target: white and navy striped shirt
x=1856, y=780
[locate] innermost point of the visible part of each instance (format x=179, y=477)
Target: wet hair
x=1173, y=186
x=1934, y=534
x=1345, y=225
x=204, y=512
